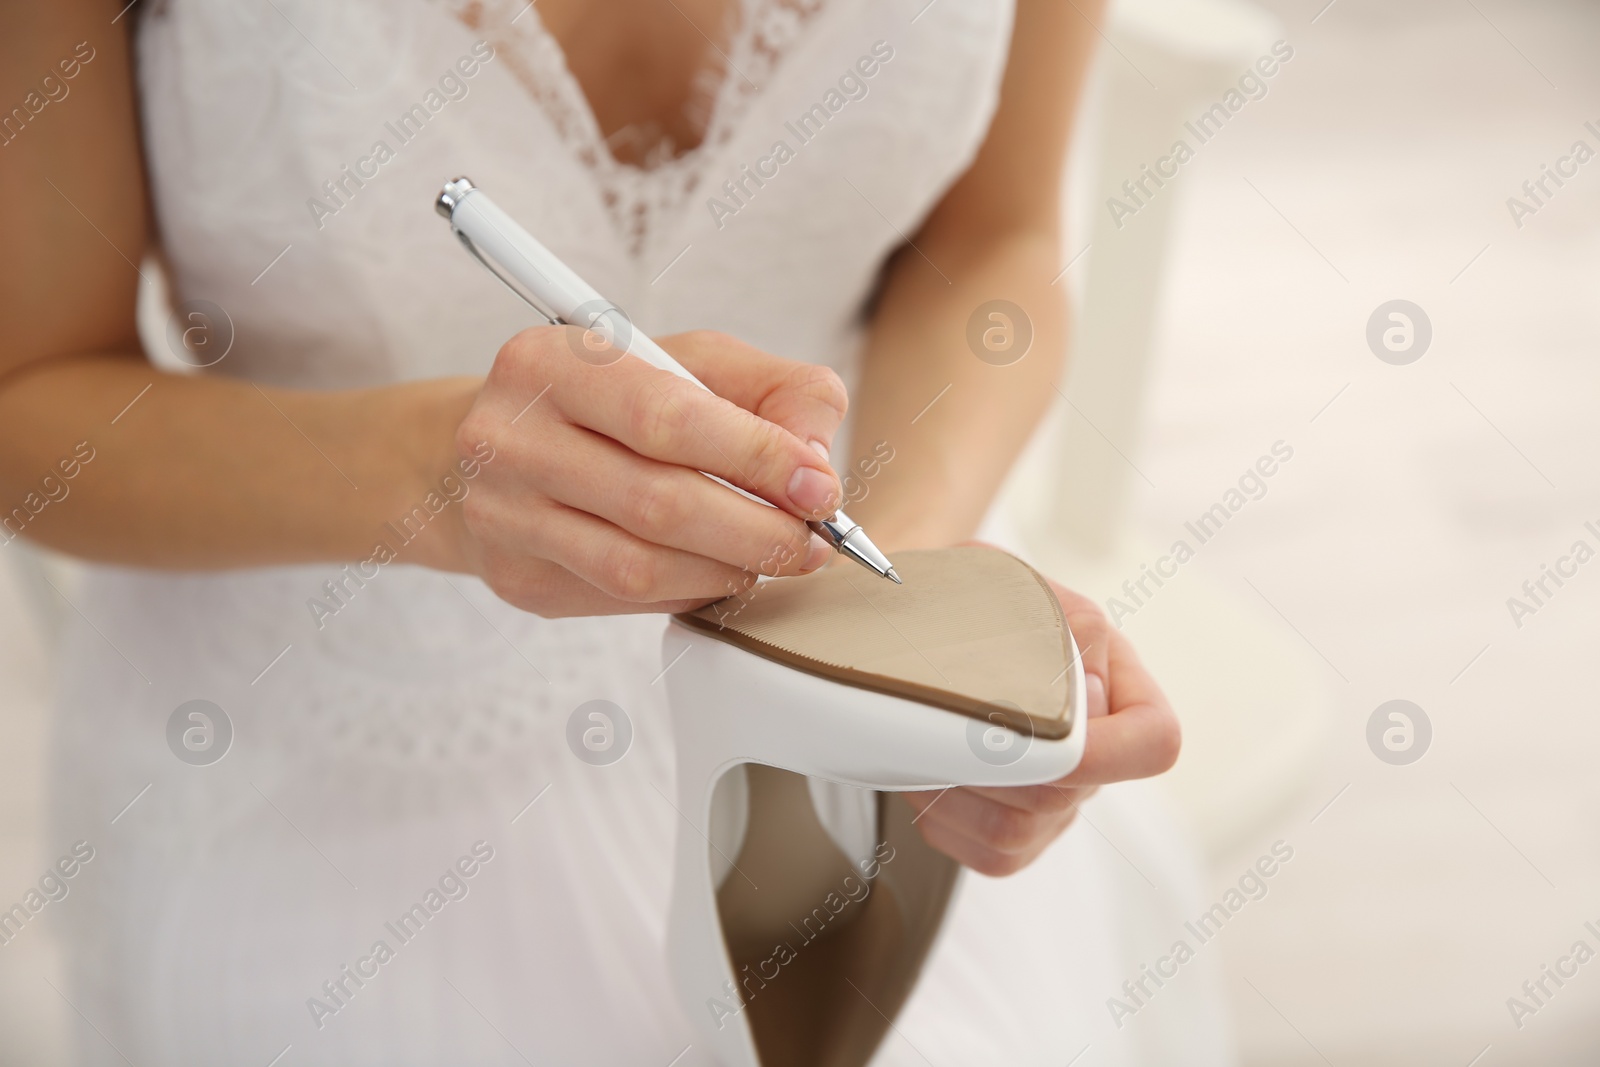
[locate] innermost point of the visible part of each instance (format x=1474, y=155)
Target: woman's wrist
x=407, y=452
x=908, y=505
x=904, y=523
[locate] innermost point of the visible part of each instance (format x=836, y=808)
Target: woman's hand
x=593, y=504
x=1133, y=733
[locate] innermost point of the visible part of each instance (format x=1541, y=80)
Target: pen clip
x=508, y=282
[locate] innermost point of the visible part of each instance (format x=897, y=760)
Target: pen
x=538, y=276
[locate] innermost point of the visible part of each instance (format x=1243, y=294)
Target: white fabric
x=371, y=754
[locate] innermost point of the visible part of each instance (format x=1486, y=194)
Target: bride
x=394, y=534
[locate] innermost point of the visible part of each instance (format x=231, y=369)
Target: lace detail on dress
x=636, y=195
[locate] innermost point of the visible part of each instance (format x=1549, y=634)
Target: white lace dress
x=373, y=753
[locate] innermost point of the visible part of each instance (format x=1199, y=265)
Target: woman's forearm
x=955, y=422
x=995, y=235
x=107, y=458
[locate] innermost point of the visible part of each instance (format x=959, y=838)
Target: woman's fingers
x=675, y=507
x=1130, y=682
x=1091, y=631
x=977, y=855
x=1137, y=742
x=1048, y=798
x=618, y=564
x=667, y=418
x=550, y=590
x=991, y=837
x=807, y=400
x=628, y=568
x=1140, y=737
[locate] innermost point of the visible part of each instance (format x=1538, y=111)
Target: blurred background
x=1223, y=314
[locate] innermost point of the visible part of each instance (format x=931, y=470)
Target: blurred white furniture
x=45, y=580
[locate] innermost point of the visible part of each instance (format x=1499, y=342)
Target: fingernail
x=819, y=555
x=1096, y=695
x=821, y=449
x=812, y=491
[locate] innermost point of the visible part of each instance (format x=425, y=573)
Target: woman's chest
x=294, y=170
x=650, y=71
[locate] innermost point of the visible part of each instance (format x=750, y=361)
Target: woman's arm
x=995, y=235
x=201, y=471
x=591, y=505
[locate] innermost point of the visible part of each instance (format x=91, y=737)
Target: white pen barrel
x=502, y=240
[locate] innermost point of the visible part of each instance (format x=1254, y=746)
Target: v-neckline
x=639, y=199
x=581, y=107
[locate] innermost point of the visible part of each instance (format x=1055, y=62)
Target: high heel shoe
x=804, y=899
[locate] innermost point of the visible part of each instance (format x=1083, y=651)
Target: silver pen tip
x=849, y=539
